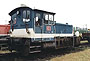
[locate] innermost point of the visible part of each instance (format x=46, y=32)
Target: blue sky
x=74, y=12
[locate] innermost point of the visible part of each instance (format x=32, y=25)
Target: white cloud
x=75, y=12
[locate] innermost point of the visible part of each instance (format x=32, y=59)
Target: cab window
x=46, y=18
x=26, y=15
x=14, y=18
x=37, y=21
x=50, y=17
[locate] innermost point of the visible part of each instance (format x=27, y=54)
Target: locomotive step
x=35, y=46
x=4, y=48
x=35, y=51
x=3, y=44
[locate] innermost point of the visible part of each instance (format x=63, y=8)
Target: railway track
x=46, y=55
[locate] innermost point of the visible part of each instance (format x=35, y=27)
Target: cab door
x=49, y=23
x=38, y=23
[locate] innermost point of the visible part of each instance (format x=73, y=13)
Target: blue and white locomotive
x=34, y=29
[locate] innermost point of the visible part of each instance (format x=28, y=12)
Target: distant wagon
x=4, y=30
x=4, y=36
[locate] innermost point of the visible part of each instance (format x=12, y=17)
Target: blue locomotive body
x=63, y=28
x=37, y=23
x=32, y=25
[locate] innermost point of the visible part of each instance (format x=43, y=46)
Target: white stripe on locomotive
x=23, y=34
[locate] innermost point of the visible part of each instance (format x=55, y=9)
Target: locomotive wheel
x=26, y=48
x=77, y=42
x=89, y=40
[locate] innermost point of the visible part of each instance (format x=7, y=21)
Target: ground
x=78, y=56
x=80, y=53
x=83, y=55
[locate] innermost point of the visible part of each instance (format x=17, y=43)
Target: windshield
x=26, y=15
x=48, y=18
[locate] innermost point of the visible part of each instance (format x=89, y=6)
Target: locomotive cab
x=44, y=21
x=26, y=21
x=29, y=26
x=21, y=21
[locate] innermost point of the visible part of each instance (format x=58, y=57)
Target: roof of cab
x=16, y=9
x=44, y=11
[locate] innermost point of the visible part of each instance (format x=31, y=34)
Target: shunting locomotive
x=33, y=30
